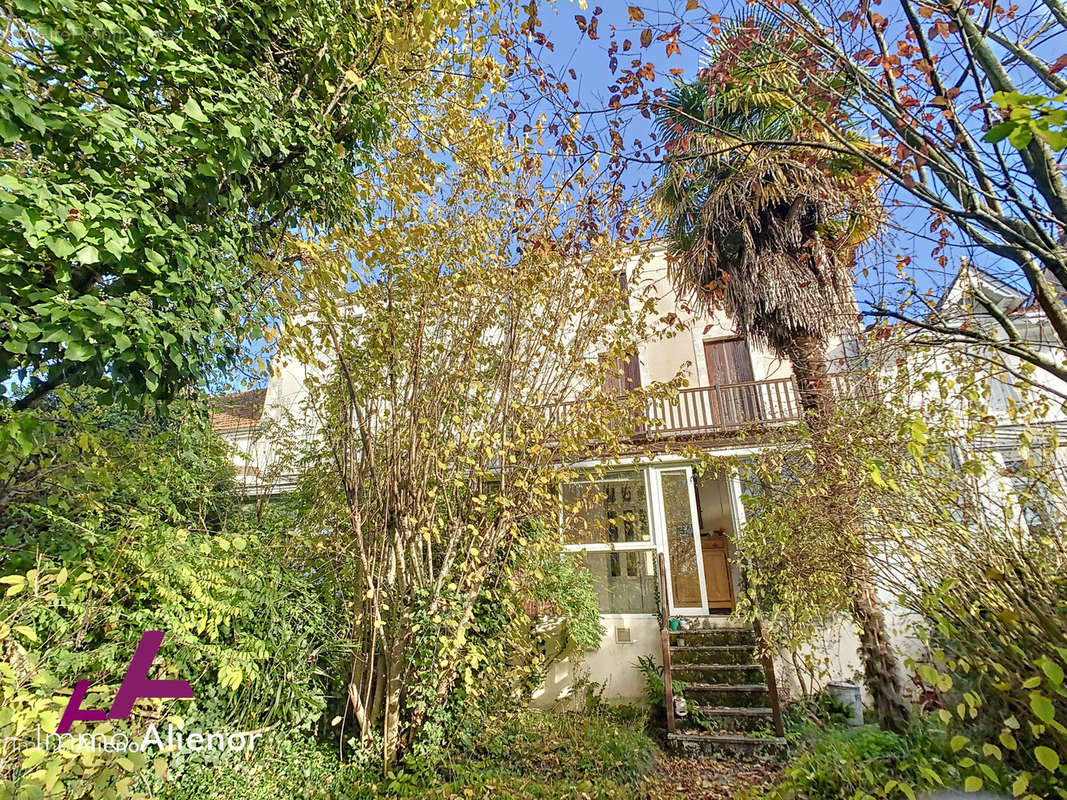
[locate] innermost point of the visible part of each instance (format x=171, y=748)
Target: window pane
x=625, y=582
x=685, y=575
x=606, y=511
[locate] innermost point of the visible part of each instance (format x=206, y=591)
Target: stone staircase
x=728, y=692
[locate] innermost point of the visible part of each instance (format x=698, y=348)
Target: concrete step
x=713, y=654
x=727, y=719
x=711, y=745
x=742, y=674
x=744, y=695
x=702, y=637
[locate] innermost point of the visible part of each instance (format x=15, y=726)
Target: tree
x=456, y=352
x=773, y=232
x=154, y=154
x=963, y=525
x=967, y=99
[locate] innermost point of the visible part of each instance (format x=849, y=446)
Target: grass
x=528, y=755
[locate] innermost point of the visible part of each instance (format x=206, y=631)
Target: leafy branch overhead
x=154, y=153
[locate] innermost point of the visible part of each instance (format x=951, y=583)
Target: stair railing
x=772, y=681
x=665, y=643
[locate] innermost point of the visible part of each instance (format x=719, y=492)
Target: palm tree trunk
x=882, y=674
x=807, y=355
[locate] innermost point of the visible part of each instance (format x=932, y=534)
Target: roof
x=238, y=411
x=1008, y=293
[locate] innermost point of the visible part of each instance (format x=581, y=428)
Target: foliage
x=525, y=755
x=154, y=154
x=998, y=636
x=768, y=232
x=949, y=89
x=1030, y=115
x=440, y=342
x=862, y=763
x=968, y=538
x=814, y=714
x=654, y=686
x=115, y=525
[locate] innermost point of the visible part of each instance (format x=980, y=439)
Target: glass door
x=678, y=532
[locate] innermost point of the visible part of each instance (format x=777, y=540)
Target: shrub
x=862, y=763
x=115, y=525
x=528, y=754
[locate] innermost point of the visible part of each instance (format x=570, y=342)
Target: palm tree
x=765, y=218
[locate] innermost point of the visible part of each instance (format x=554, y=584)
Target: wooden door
x=729, y=364
x=717, y=573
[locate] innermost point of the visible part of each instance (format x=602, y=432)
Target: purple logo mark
x=134, y=686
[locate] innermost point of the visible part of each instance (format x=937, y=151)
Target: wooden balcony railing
x=727, y=408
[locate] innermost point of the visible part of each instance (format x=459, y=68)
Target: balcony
x=708, y=411
x=727, y=408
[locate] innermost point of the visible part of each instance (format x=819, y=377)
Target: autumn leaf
x=636, y=14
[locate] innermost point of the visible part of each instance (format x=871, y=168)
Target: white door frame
x=659, y=534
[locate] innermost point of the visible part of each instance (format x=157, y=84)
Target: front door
x=730, y=368
x=677, y=529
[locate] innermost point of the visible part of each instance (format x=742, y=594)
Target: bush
x=117, y=524
x=811, y=716
x=865, y=762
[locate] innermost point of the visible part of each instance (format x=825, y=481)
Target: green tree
x=771, y=233
x=154, y=153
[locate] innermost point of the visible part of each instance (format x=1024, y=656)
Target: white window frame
x=650, y=544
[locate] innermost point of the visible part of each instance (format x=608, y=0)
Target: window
x=611, y=510
x=606, y=520
x=625, y=582
x=1035, y=492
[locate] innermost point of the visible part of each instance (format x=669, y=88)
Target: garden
x=441, y=221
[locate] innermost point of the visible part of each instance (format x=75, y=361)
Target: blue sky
x=908, y=234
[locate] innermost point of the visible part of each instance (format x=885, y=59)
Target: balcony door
x=678, y=532
x=730, y=370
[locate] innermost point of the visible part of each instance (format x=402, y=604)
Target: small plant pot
x=674, y=625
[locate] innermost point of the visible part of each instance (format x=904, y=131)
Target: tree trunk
x=880, y=669
x=807, y=354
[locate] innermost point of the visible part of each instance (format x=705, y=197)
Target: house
x=656, y=512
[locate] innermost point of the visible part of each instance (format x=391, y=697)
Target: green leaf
x=78, y=351
x=88, y=255
x=1053, y=671
x=193, y=111
x=999, y=132
x=1047, y=758
x=958, y=743
x=972, y=783
x=1020, y=137
x=61, y=248
x=1042, y=708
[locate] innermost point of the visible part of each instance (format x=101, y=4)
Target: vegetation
x=354, y=187
x=154, y=154
x=967, y=539
x=426, y=490
x=525, y=755
x=773, y=233
x=115, y=524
